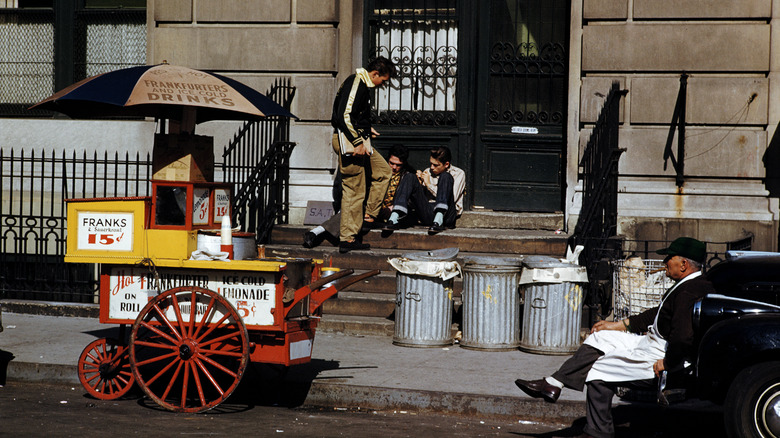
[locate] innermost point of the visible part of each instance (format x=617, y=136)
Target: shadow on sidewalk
x=5, y=358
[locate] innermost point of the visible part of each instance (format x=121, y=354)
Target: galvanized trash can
x=552, y=312
x=423, y=304
x=491, y=303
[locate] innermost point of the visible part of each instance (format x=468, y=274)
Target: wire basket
x=638, y=285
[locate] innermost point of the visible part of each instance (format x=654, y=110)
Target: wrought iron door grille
x=528, y=62
x=421, y=38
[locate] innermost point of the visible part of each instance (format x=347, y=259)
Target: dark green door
x=521, y=92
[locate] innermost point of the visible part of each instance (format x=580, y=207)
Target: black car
x=738, y=345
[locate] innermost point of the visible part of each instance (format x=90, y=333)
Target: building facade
x=513, y=87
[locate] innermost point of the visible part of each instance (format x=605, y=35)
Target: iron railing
x=34, y=186
x=597, y=222
x=678, y=126
x=33, y=189
x=257, y=163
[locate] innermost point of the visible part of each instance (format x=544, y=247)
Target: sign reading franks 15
x=105, y=231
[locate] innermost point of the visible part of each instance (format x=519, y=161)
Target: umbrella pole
x=187, y=123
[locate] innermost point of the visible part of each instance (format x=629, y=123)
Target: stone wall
x=256, y=41
x=725, y=48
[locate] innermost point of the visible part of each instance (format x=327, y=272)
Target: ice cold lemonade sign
x=253, y=294
x=105, y=231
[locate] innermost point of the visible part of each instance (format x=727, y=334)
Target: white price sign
x=200, y=206
x=221, y=204
x=105, y=231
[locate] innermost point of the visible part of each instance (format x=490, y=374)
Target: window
x=421, y=38
x=42, y=50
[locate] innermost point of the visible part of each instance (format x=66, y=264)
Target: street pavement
x=346, y=371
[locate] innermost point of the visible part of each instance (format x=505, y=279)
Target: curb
x=51, y=308
x=335, y=395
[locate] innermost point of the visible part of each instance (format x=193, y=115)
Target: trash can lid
x=443, y=254
x=543, y=262
x=492, y=260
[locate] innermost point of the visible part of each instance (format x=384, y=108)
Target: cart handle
x=318, y=297
x=304, y=291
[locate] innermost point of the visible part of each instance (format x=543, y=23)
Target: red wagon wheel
x=104, y=369
x=188, y=364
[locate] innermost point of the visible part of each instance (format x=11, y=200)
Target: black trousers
x=598, y=398
x=411, y=194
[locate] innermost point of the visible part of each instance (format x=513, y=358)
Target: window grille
x=26, y=58
x=108, y=40
x=528, y=62
x=102, y=40
x=421, y=38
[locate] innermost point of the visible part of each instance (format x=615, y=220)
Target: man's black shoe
x=390, y=226
x=345, y=247
x=435, y=229
x=539, y=389
x=309, y=240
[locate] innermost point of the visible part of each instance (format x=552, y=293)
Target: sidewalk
x=346, y=371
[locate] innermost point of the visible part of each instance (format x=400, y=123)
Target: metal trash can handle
x=413, y=296
x=535, y=303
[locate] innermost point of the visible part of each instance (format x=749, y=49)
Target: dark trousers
x=598, y=414
x=410, y=194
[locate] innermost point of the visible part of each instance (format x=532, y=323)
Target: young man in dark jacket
x=352, y=117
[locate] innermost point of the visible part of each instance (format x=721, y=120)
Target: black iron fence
x=597, y=223
x=33, y=189
x=257, y=163
x=35, y=185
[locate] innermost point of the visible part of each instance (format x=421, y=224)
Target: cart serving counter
x=194, y=324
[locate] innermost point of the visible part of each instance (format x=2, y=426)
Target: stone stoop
x=368, y=307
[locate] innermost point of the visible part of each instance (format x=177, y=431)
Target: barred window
x=26, y=58
x=528, y=62
x=37, y=58
x=421, y=38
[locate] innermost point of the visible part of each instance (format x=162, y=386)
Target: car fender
x=731, y=345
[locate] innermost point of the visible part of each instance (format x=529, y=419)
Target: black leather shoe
x=539, y=389
x=435, y=229
x=345, y=247
x=390, y=226
x=309, y=240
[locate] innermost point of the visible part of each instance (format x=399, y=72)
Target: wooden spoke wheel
x=188, y=364
x=104, y=369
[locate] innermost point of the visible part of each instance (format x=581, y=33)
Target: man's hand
x=424, y=178
x=658, y=367
x=608, y=325
x=374, y=133
x=360, y=150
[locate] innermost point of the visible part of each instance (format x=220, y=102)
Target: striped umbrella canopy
x=162, y=91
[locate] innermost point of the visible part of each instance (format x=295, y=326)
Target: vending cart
x=196, y=318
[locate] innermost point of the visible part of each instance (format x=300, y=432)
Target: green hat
x=686, y=247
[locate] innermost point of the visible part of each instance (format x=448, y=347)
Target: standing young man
x=352, y=117
x=399, y=165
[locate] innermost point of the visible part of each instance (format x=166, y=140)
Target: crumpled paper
x=204, y=254
x=443, y=269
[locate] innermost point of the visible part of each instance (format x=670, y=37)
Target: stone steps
x=368, y=307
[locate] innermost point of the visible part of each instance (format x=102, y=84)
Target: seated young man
x=433, y=197
x=399, y=164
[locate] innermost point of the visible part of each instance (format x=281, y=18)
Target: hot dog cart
x=194, y=324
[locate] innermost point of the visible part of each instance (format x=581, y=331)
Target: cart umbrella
x=162, y=91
